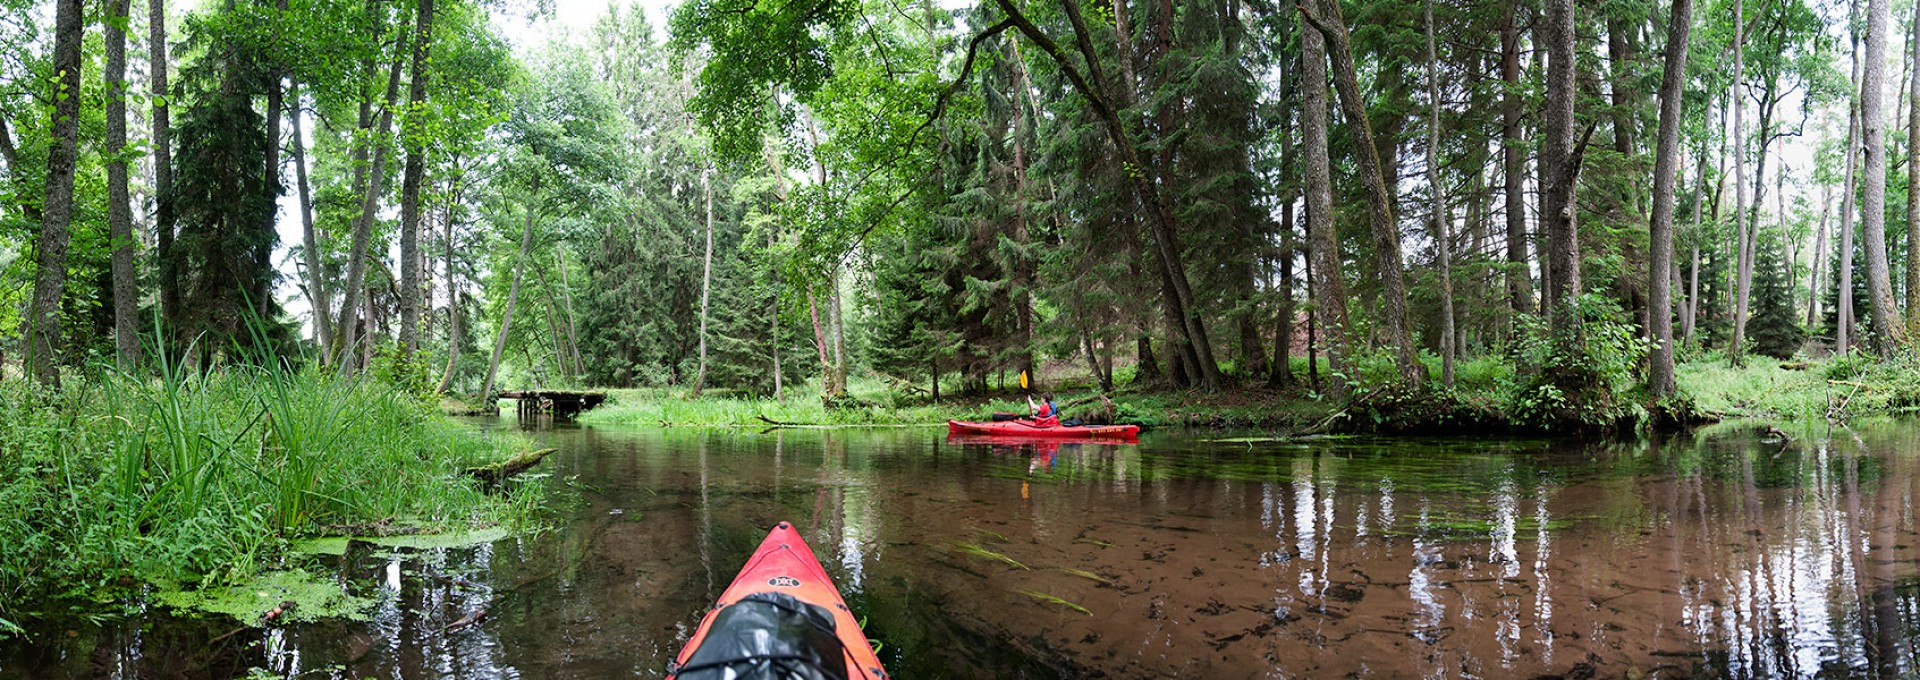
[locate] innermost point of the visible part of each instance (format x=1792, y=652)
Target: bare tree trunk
x=1660, y=378
x=163, y=211
x=363, y=229
x=1913, y=175
x=126, y=303
x=316, y=265
x=1692, y=316
x=706, y=282
x=1324, y=260
x=413, y=177
x=1743, y=269
x=566, y=300
x=1514, y=160
x=820, y=345
x=1819, y=257
x=1843, y=333
x=513, y=296
x=49, y=281
x=1441, y=236
x=1560, y=169
x=1887, y=331
x=453, y=299
x=1380, y=204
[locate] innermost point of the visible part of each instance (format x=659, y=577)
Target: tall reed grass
x=186, y=478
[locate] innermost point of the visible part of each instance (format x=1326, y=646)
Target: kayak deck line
x=782, y=617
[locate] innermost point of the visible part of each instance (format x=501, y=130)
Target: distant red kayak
x=781, y=618
x=1026, y=428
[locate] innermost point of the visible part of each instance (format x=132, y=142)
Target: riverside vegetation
x=120, y=489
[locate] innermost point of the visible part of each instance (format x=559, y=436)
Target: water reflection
x=1720, y=553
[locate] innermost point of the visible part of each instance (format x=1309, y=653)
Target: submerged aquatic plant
x=984, y=553
x=1049, y=599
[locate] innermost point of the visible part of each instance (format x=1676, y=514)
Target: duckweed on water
x=314, y=598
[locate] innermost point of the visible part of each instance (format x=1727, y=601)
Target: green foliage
x=1775, y=324
x=1584, y=382
x=203, y=478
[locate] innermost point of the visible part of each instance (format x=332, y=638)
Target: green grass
x=1798, y=390
x=198, y=481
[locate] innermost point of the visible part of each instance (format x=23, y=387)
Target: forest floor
x=1763, y=388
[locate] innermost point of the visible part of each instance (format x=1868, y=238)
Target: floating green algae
x=314, y=598
x=324, y=545
x=455, y=539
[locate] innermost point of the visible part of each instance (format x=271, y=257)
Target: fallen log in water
x=497, y=472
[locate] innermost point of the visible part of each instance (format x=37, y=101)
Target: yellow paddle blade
x=1023, y=380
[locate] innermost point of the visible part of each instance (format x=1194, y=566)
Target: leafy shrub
x=1584, y=382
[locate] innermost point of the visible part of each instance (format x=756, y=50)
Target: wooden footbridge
x=558, y=403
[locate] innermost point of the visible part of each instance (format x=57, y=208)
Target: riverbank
x=120, y=490
x=1483, y=400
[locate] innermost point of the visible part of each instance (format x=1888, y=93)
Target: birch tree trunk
x=513, y=296
x=310, y=240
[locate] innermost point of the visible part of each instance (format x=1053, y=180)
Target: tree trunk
x=1819, y=258
x=413, y=138
x=513, y=296
x=163, y=211
x=1660, y=378
x=1384, y=228
x=1441, y=229
x=1913, y=175
x=1324, y=248
x=706, y=283
x=1887, y=331
x=1843, y=331
x=566, y=302
x=1560, y=169
x=820, y=345
x=1514, y=161
x=1692, y=316
x=315, y=263
x=43, y=331
x=126, y=302
x=363, y=229
x=453, y=299
x=1165, y=225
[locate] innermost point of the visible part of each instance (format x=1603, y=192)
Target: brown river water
x=1719, y=553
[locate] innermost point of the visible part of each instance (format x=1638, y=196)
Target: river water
x=1722, y=553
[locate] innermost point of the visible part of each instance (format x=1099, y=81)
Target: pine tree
x=1774, y=327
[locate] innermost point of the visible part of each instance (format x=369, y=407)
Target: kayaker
x=1045, y=414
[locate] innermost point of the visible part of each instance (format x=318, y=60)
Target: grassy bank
x=118, y=484
x=1488, y=396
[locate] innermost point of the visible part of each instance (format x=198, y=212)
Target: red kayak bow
x=781, y=619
